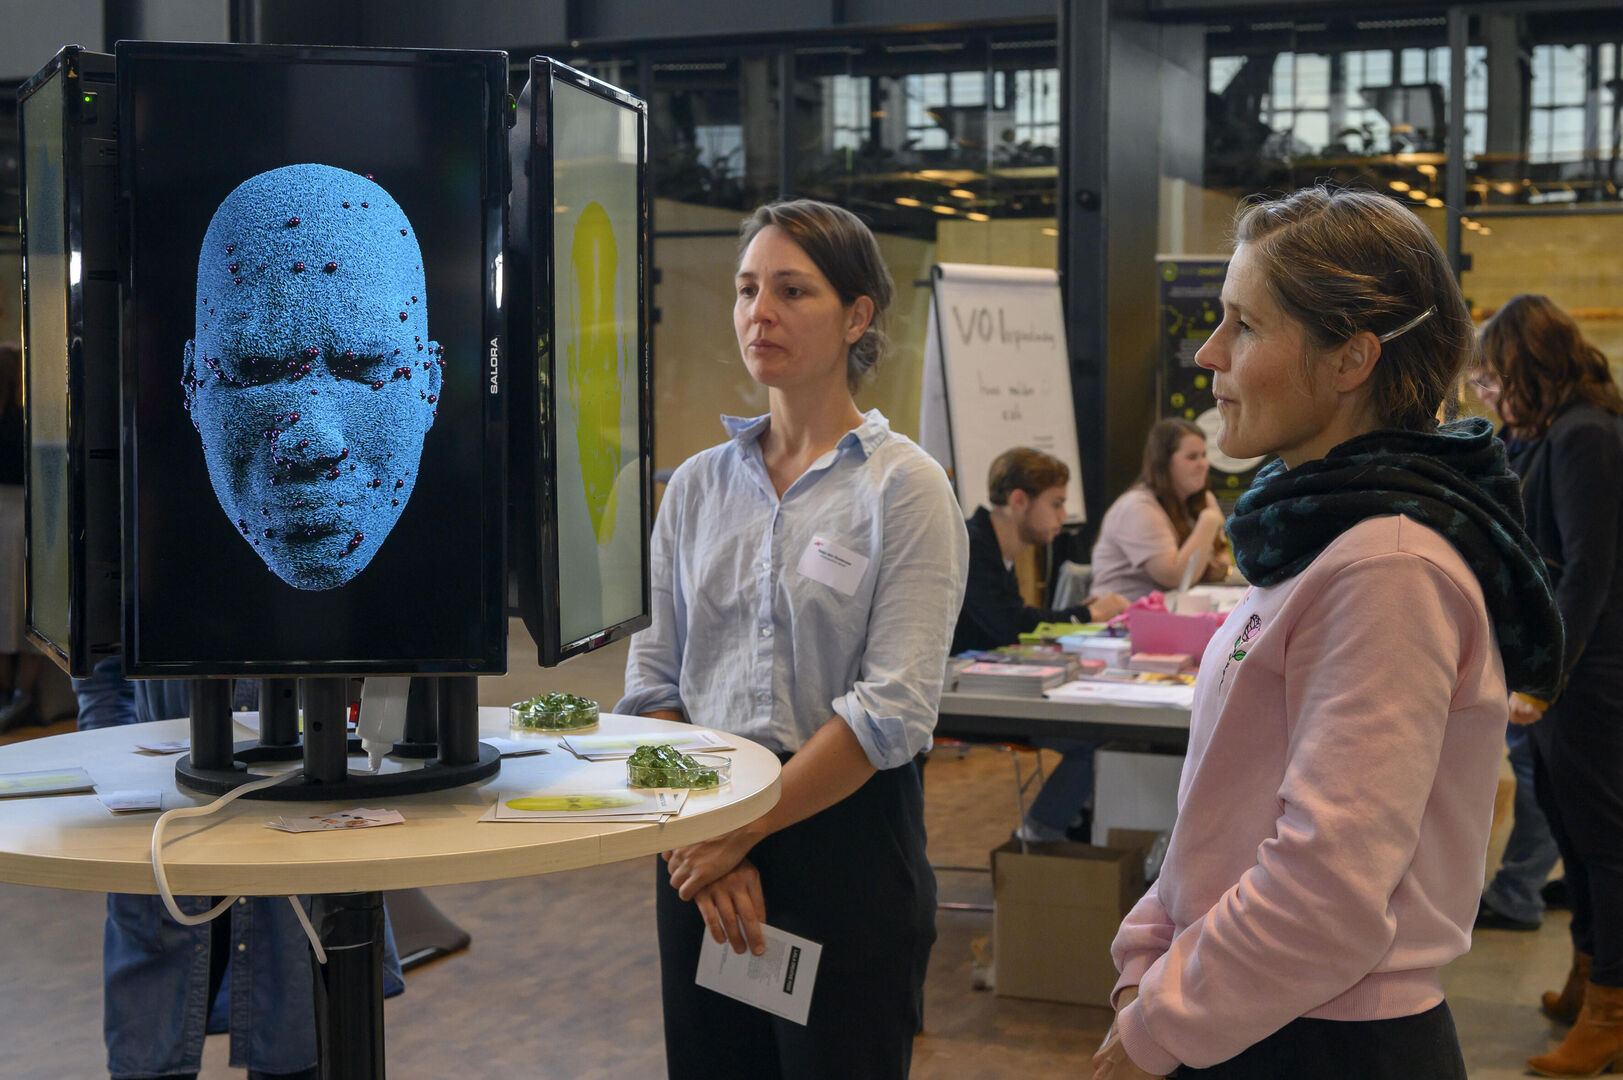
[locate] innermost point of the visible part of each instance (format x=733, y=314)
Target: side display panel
x=600, y=459
x=45, y=332
x=312, y=396
x=71, y=379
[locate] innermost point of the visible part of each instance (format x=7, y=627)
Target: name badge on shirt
x=835, y=566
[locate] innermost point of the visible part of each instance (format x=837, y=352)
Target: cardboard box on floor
x=1056, y=910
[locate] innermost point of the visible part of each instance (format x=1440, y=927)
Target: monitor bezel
x=78, y=654
x=492, y=659
x=539, y=595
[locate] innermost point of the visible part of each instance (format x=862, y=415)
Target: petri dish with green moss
x=663, y=767
x=552, y=712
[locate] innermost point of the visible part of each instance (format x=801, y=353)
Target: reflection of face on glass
x=312, y=379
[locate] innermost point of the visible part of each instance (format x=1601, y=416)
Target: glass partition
x=1362, y=104
x=946, y=144
x=1543, y=208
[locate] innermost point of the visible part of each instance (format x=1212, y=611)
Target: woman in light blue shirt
x=807, y=574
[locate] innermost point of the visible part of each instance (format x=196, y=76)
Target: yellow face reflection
x=594, y=363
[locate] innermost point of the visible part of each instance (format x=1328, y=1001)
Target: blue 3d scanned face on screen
x=311, y=376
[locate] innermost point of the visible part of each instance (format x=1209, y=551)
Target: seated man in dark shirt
x=1027, y=492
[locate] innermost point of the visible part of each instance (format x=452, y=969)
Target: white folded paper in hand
x=359, y=818
x=780, y=980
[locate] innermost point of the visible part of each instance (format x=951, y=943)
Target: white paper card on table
x=780, y=980
x=833, y=564
x=359, y=818
x=168, y=746
x=491, y=814
x=123, y=802
x=613, y=747
x=44, y=782
x=513, y=747
x=652, y=804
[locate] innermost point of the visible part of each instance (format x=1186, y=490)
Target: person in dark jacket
x=1564, y=428
x=1516, y=895
x=1027, y=491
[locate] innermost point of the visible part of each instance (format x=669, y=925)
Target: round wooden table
x=73, y=842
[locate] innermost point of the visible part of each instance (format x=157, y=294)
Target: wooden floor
x=561, y=979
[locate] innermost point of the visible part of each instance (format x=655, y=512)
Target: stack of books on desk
x=1015, y=680
x=1142, y=678
x=1113, y=651
x=1038, y=655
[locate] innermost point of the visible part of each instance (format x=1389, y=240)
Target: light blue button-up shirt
x=757, y=633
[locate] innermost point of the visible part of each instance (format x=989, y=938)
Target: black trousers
x=853, y=878
x=1420, y=1047
x=1578, y=779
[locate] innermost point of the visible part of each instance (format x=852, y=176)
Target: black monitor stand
x=442, y=725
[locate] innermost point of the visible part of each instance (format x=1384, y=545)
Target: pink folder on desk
x=1164, y=632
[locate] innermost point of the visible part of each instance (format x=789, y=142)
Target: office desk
x=72, y=842
x=989, y=716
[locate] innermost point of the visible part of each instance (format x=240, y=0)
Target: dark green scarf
x=1453, y=480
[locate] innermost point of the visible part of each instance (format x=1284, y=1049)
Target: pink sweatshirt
x=1334, y=808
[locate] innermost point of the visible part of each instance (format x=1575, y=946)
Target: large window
x=1543, y=206
x=1365, y=101
x=713, y=126
x=1282, y=113
x=946, y=143
x=919, y=134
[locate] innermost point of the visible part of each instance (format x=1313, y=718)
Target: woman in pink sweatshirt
x=1344, y=748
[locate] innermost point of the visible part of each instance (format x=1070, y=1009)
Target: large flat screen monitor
x=581, y=435
x=314, y=440
x=66, y=115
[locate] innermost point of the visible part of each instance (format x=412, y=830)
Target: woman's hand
x=697, y=865
x=1211, y=510
x=1112, y=1062
x=733, y=909
x=1524, y=710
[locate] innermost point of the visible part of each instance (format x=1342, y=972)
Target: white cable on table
x=219, y=909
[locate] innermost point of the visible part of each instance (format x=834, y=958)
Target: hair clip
x=1406, y=327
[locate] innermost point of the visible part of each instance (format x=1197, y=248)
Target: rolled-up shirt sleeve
x=654, y=662
x=920, y=587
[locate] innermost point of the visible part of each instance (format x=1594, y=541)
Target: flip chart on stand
x=997, y=375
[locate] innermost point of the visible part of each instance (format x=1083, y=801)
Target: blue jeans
x=1530, y=853
x=156, y=971
x=1068, y=787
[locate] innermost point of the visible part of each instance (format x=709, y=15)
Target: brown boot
x=1564, y=1006
x=1595, y=1043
